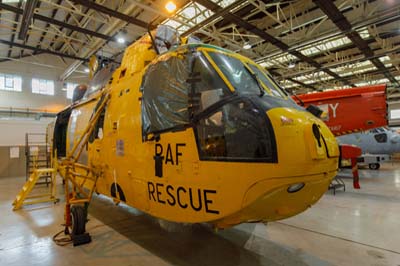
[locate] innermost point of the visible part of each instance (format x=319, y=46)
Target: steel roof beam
x=379, y=22
x=2, y=59
x=26, y=39
x=55, y=39
x=338, y=64
x=13, y=34
x=303, y=84
x=213, y=17
x=27, y=18
x=355, y=77
x=333, y=13
x=293, y=80
x=267, y=37
x=112, y=13
x=56, y=22
x=53, y=14
x=40, y=50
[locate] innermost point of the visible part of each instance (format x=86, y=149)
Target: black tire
x=78, y=218
x=374, y=166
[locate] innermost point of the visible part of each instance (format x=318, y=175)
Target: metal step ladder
x=37, y=154
x=23, y=197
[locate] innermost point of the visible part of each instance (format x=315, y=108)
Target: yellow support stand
x=22, y=196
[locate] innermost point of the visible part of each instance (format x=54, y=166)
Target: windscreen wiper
x=255, y=77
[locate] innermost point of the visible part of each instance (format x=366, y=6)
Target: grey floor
x=356, y=227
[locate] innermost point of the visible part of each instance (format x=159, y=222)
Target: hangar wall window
x=395, y=114
x=70, y=89
x=43, y=86
x=10, y=82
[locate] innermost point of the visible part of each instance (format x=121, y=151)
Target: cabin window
x=381, y=138
x=237, y=131
x=70, y=89
x=101, y=78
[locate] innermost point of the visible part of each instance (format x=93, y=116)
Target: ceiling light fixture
x=121, y=40
x=291, y=65
x=246, y=46
x=170, y=7
x=86, y=70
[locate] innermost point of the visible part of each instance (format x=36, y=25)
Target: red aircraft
x=348, y=111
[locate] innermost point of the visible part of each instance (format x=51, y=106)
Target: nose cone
x=395, y=139
x=302, y=139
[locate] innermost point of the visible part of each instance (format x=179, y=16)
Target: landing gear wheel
x=78, y=219
x=374, y=166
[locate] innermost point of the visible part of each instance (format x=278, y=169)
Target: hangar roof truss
x=307, y=45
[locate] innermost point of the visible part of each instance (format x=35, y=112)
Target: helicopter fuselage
x=205, y=155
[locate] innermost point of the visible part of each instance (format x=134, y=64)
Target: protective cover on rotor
x=166, y=38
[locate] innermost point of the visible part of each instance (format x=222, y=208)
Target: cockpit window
x=236, y=131
x=381, y=137
x=268, y=82
x=236, y=73
x=207, y=84
x=178, y=88
x=245, y=78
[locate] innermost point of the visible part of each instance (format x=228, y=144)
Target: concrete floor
x=356, y=227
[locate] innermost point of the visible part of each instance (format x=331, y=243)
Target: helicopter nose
x=317, y=134
x=395, y=139
x=319, y=143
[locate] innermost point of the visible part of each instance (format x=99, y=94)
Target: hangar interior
x=307, y=46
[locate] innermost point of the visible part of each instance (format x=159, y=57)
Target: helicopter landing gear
x=78, y=225
x=80, y=179
x=374, y=166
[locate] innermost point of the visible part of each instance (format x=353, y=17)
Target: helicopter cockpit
x=222, y=95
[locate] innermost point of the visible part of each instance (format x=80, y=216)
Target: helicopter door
x=60, y=133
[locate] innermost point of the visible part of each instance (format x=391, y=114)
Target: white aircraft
x=378, y=141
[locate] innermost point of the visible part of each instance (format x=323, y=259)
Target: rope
x=62, y=241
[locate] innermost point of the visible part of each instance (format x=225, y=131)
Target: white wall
x=12, y=132
x=393, y=105
x=41, y=66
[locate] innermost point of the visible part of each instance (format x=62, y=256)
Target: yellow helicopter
x=191, y=133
